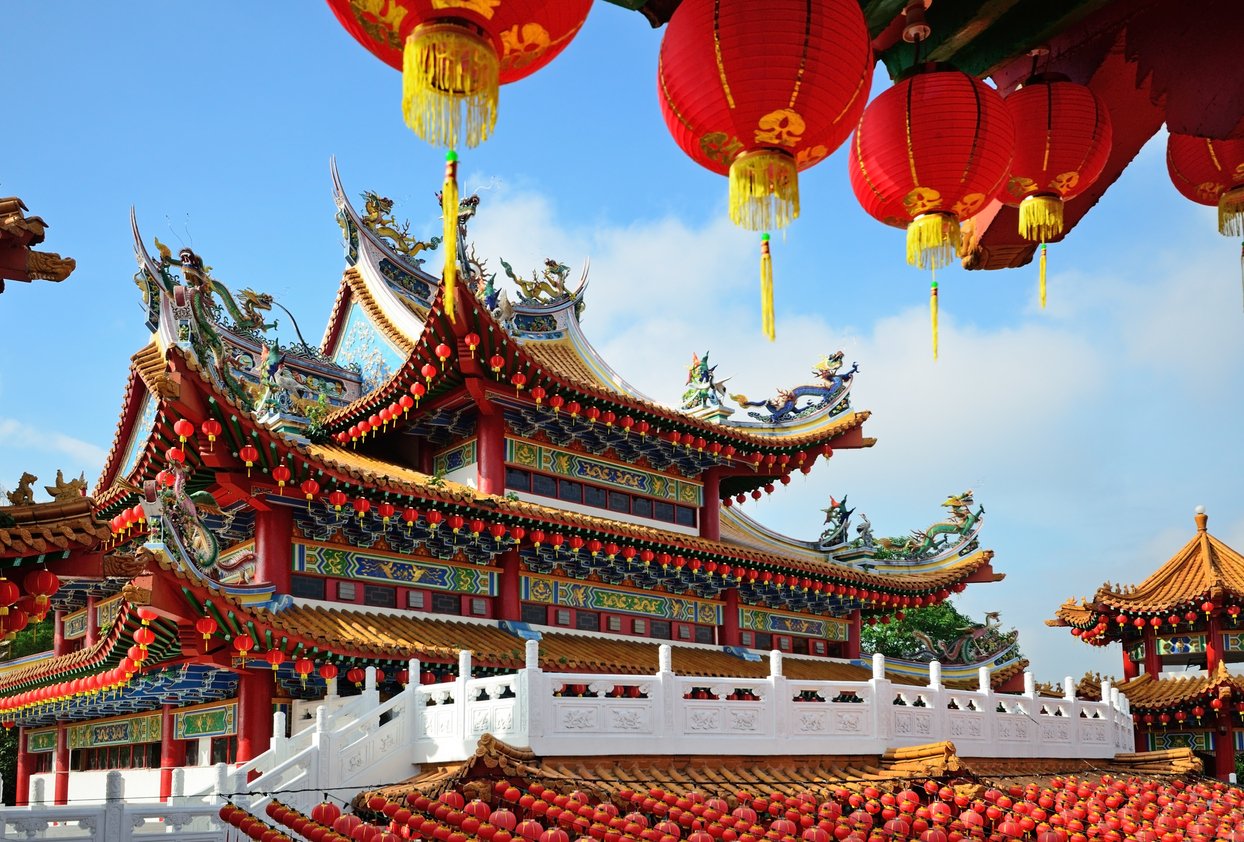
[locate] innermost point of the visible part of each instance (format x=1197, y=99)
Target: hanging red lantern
x=282, y=475
x=42, y=585
x=362, y=506
x=496, y=362
x=243, y=645
x=205, y=626
x=409, y=516
x=328, y=671
x=211, y=428
x=538, y=393
x=183, y=429
x=418, y=390
x=1210, y=172
x=249, y=454
x=738, y=102
x=1063, y=137
x=337, y=499
x=405, y=402
x=929, y=153
x=472, y=341
x=1062, y=140
x=386, y=511
x=519, y=380
x=443, y=353
x=310, y=488
x=275, y=657
x=355, y=675
x=303, y=667
x=454, y=55
x=175, y=454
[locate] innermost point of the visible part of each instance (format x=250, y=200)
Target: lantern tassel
x=450, y=80
x=449, y=212
x=1041, y=218
x=1041, y=264
x=1242, y=267
x=932, y=240
x=766, y=289
x=933, y=313
x=764, y=190
x=1231, y=213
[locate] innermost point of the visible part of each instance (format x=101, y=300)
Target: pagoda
x=428, y=500
x=1185, y=616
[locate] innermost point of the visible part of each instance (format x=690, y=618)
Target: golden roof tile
x=1147, y=693
x=49, y=527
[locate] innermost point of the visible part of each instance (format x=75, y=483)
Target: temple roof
x=1146, y=693
x=50, y=527
x=1204, y=568
x=19, y=261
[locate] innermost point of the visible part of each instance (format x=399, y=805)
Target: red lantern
x=282, y=475
x=303, y=667
x=929, y=153
x=328, y=672
x=405, y=402
x=243, y=644
x=337, y=499
x=443, y=353
x=419, y=390
x=249, y=454
x=205, y=626
x=1062, y=140
x=472, y=341
x=310, y=488
x=1210, y=172
x=760, y=91
x=211, y=428
x=496, y=362
x=362, y=506
x=386, y=511
x=184, y=429
x=175, y=454
x=42, y=585
x=275, y=657
x=538, y=393
x=453, y=56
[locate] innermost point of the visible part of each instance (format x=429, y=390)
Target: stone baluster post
x=935, y=675
x=665, y=691
x=883, y=695
x=778, y=700
x=462, y=718
x=989, y=715
x=320, y=775
x=534, y=698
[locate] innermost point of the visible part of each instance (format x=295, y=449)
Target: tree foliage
x=943, y=623
x=36, y=637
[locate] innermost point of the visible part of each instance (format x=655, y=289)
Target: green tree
x=36, y=637
x=942, y=623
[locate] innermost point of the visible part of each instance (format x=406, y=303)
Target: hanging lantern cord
x=933, y=308
x=1041, y=271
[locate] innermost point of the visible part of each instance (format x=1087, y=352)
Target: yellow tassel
x=933, y=314
x=1042, y=265
x=766, y=290
x=1041, y=218
x=449, y=213
x=932, y=240
x=450, y=78
x=1231, y=213
x=764, y=190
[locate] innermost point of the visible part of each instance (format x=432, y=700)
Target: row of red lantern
x=327, y=823
x=41, y=585
x=1179, y=716
x=252, y=826
x=58, y=694
x=184, y=430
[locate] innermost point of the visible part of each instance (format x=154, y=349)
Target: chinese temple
x=1180, y=629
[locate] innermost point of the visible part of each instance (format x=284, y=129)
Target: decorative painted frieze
x=349, y=563
x=779, y=622
x=571, y=594
x=576, y=466
x=454, y=458
x=215, y=720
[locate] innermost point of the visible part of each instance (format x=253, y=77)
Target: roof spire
x=1201, y=519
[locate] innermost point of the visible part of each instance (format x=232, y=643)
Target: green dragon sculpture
x=960, y=523
x=204, y=289
x=379, y=219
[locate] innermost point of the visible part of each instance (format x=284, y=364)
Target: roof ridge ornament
x=1202, y=519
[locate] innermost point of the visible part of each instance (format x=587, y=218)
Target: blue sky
x=1089, y=430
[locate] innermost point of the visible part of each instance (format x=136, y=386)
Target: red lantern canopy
x=453, y=56
x=1210, y=172
x=929, y=153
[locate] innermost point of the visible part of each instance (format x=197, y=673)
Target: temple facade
x=460, y=525
x=1180, y=631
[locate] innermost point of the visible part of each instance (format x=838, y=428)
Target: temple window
x=380, y=596
x=479, y=607
x=746, y=639
x=307, y=587
x=799, y=645
x=764, y=640
x=663, y=511
x=642, y=507
x=661, y=629
x=638, y=626
x=569, y=491
x=535, y=614
x=705, y=634
x=684, y=515
x=42, y=762
x=587, y=621
x=416, y=600
x=544, y=486
x=347, y=591
x=224, y=749
x=615, y=624
x=596, y=497
x=563, y=616
x=518, y=480
x=619, y=502
x=684, y=632
x=446, y=603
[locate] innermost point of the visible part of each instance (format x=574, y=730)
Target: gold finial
x=1201, y=519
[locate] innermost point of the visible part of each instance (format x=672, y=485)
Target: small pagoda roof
x=1204, y=568
x=1146, y=693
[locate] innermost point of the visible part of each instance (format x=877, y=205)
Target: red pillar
x=1131, y=669
x=256, y=688
x=853, y=635
x=510, y=586
x=60, y=789
x=1224, y=746
x=730, y=618
x=273, y=546
x=22, y=795
x=58, y=632
x=490, y=453
x=1213, y=639
x=710, y=510
x=172, y=752
x=1142, y=739
x=92, y=622
x=1153, y=664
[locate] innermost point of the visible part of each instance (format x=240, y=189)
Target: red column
x=172, y=752
x=273, y=546
x=22, y=796
x=92, y=622
x=490, y=453
x=1131, y=669
x=1213, y=640
x=510, y=605
x=710, y=510
x=1224, y=746
x=256, y=689
x=1142, y=738
x=853, y=635
x=60, y=789
x=1153, y=664
x=58, y=632
x=730, y=618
